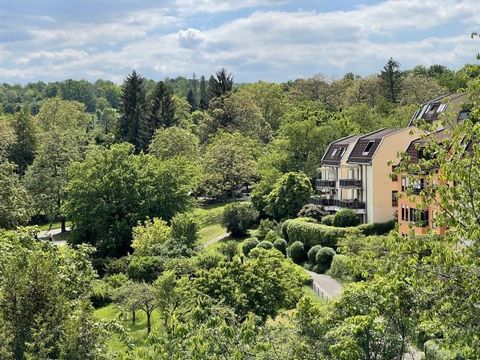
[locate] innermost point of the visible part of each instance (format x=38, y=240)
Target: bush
x=248, y=245
x=185, y=229
x=434, y=351
x=208, y=260
x=265, y=245
x=265, y=227
x=328, y=220
x=313, y=211
x=377, y=228
x=228, y=249
x=324, y=259
x=312, y=234
x=341, y=269
x=145, y=268
x=101, y=294
x=238, y=218
x=281, y=245
x=346, y=218
x=312, y=253
x=116, y=280
x=271, y=236
x=297, y=252
x=117, y=266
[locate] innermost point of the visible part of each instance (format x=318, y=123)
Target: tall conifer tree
x=163, y=108
x=133, y=125
x=203, y=93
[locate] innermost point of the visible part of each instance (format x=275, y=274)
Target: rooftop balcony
x=350, y=183
x=324, y=183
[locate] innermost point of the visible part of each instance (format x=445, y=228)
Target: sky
x=271, y=40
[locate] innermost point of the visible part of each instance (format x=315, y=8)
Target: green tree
x=133, y=124
x=62, y=140
x=22, y=152
x=238, y=218
x=162, y=109
x=391, y=79
x=290, y=193
x=229, y=164
x=221, y=83
x=131, y=187
x=174, y=141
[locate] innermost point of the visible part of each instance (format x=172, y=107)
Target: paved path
x=45, y=234
x=325, y=286
x=217, y=239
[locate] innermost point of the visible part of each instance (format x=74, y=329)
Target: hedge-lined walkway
x=325, y=286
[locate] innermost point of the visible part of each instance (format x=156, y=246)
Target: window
x=394, y=198
x=334, y=152
x=462, y=115
x=406, y=214
x=393, y=175
x=404, y=183
x=403, y=213
x=368, y=147
x=342, y=151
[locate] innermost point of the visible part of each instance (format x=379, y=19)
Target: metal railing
x=324, y=183
x=350, y=183
x=344, y=204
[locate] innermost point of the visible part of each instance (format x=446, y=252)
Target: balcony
x=350, y=183
x=335, y=204
x=324, y=183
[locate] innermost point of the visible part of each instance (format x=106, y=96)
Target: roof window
x=368, y=148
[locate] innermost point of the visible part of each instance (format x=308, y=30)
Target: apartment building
x=411, y=217
x=355, y=174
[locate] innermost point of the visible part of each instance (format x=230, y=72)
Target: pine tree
x=221, y=83
x=203, y=94
x=133, y=126
x=391, y=78
x=191, y=99
x=163, y=108
x=22, y=151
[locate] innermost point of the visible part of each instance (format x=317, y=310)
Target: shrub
x=377, y=228
x=185, y=229
x=208, y=260
x=313, y=211
x=228, y=249
x=346, y=218
x=328, y=220
x=341, y=269
x=434, y=351
x=238, y=218
x=116, y=280
x=248, y=245
x=117, y=266
x=265, y=245
x=312, y=253
x=324, y=259
x=101, y=294
x=312, y=234
x=297, y=252
x=145, y=268
x=281, y=245
x=271, y=236
x=265, y=227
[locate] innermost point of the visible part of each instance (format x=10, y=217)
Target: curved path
x=325, y=286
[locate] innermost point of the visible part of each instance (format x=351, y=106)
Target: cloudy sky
x=273, y=40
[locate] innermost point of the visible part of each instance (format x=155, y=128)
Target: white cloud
x=190, y=38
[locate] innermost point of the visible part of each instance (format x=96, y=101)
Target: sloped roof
x=337, y=150
x=367, y=145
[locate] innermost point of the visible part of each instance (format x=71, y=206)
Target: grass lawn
x=210, y=232
x=137, y=332
x=55, y=225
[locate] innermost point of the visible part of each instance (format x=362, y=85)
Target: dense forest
x=183, y=207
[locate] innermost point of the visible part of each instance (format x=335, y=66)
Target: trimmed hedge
x=377, y=228
x=267, y=245
x=324, y=259
x=281, y=245
x=248, y=245
x=312, y=234
x=328, y=220
x=312, y=253
x=297, y=253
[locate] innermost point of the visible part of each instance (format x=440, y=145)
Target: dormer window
x=462, y=115
x=342, y=151
x=334, y=152
x=368, y=148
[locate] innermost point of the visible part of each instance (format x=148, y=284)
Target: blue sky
x=273, y=40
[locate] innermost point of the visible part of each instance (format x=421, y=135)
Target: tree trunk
x=149, y=325
x=134, y=318
x=64, y=228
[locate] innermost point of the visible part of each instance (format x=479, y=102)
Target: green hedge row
x=311, y=233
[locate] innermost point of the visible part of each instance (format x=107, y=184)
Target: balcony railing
x=344, y=204
x=324, y=183
x=350, y=183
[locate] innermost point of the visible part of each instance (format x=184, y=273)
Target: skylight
x=368, y=147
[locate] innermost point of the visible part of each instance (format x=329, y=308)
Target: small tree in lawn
x=290, y=193
x=238, y=218
x=313, y=211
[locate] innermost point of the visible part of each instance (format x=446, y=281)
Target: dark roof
x=367, y=145
x=417, y=144
x=431, y=110
x=336, y=150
